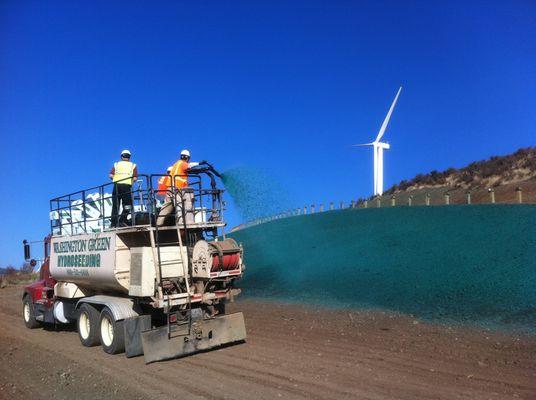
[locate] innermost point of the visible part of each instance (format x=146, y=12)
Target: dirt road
x=292, y=353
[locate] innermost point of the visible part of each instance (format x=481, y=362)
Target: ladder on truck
x=186, y=265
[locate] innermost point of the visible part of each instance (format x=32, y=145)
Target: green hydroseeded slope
x=462, y=263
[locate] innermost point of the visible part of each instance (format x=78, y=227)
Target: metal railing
x=90, y=210
x=508, y=195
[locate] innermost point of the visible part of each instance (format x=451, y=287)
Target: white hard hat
x=127, y=152
x=169, y=169
x=185, y=153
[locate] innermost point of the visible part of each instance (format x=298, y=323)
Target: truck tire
x=112, y=333
x=28, y=313
x=88, y=325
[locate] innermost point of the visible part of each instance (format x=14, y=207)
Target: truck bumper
x=201, y=335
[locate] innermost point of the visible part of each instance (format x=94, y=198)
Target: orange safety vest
x=164, y=184
x=179, y=175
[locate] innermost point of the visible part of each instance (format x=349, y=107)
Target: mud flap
x=133, y=328
x=203, y=335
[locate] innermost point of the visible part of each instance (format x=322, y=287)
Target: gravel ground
x=292, y=352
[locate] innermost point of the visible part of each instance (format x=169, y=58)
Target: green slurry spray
x=472, y=264
x=254, y=192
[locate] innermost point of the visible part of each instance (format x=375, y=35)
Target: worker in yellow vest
x=181, y=194
x=123, y=174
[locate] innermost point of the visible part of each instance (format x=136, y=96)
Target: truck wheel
x=111, y=332
x=28, y=314
x=88, y=325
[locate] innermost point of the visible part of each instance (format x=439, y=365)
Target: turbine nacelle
x=385, y=146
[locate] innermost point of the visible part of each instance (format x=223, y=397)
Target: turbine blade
x=388, y=116
x=364, y=144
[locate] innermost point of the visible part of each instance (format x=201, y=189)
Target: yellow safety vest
x=124, y=170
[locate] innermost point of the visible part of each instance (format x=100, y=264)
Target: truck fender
x=120, y=307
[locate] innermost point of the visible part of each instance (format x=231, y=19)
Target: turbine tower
x=378, y=148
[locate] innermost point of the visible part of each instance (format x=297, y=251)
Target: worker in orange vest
x=179, y=170
x=164, y=183
x=180, y=193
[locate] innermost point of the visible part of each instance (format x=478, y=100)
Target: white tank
x=91, y=261
x=101, y=262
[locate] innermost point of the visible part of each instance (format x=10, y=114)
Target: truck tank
x=109, y=261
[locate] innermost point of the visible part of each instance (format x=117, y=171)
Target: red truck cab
x=38, y=297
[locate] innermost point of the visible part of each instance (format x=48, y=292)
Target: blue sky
x=281, y=86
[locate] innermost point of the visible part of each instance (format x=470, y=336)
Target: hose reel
x=211, y=259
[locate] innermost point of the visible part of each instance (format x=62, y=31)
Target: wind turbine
x=378, y=148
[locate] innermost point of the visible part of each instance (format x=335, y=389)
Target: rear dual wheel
x=111, y=332
x=96, y=328
x=88, y=325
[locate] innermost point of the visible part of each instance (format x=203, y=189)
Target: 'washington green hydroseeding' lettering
x=81, y=246
x=79, y=260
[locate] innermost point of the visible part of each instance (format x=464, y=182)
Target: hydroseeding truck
x=157, y=289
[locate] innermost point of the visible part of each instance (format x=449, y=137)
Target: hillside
x=458, y=262
x=502, y=174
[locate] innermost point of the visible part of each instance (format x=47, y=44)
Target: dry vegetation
x=504, y=175
x=12, y=276
x=496, y=171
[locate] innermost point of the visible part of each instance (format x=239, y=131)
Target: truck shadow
x=60, y=327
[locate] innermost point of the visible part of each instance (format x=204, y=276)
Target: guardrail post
x=410, y=200
x=519, y=192
x=330, y=206
x=427, y=199
x=378, y=202
x=321, y=208
x=468, y=197
x=447, y=198
x=491, y=195
x=393, y=200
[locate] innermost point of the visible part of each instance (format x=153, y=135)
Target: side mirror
x=27, y=255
